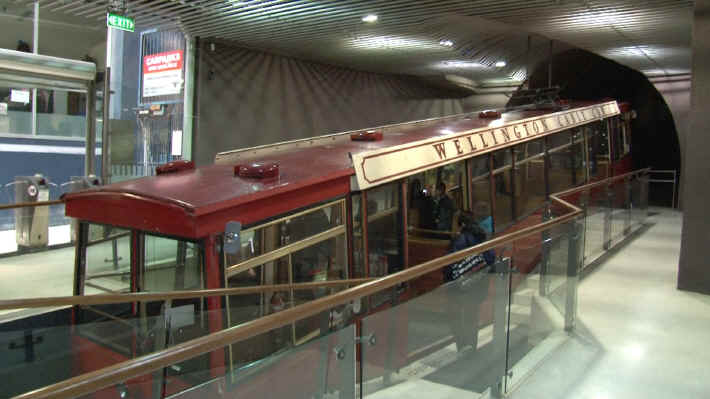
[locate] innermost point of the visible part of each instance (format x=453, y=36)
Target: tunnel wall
x=247, y=98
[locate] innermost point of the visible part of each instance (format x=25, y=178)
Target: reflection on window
x=481, y=194
x=358, y=265
x=15, y=110
x=504, y=185
x=171, y=265
x=435, y=197
x=108, y=260
x=306, y=247
x=59, y=113
x=598, y=149
x=384, y=235
x=530, y=177
x=562, y=162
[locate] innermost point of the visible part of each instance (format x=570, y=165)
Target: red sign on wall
x=162, y=74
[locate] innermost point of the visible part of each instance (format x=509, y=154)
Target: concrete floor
x=637, y=336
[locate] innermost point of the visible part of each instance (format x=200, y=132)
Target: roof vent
x=174, y=166
x=257, y=170
x=370, y=135
x=490, y=114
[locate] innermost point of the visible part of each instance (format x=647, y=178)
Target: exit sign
x=120, y=22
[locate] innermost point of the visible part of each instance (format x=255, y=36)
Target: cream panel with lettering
x=384, y=165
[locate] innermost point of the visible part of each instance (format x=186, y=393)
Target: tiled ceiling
x=428, y=37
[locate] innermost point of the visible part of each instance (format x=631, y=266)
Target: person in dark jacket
x=471, y=287
x=444, y=209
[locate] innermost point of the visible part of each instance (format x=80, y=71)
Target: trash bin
x=31, y=223
x=78, y=183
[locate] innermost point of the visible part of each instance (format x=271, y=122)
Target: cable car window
x=171, y=265
x=107, y=256
x=529, y=177
x=504, y=184
x=616, y=140
x=579, y=166
x=309, y=246
x=481, y=192
x=384, y=235
x=561, y=161
x=358, y=265
x=435, y=197
x=108, y=260
x=598, y=150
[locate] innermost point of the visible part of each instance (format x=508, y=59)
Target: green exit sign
x=120, y=22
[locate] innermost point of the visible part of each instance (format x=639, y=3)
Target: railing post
x=501, y=301
x=584, y=204
x=345, y=356
x=607, y=216
x=628, y=206
x=644, y=196
x=573, y=261
x=546, y=242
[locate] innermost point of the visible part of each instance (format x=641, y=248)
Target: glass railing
x=613, y=209
x=479, y=335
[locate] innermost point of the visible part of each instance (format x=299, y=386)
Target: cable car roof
x=197, y=202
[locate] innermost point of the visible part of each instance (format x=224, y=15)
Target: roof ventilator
x=257, y=170
x=370, y=135
x=490, y=114
x=174, y=166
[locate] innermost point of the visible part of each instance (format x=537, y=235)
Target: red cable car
x=337, y=207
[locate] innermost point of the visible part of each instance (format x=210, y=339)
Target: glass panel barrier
x=452, y=337
x=321, y=368
x=619, y=210
x=595, y=223
x=543, y=301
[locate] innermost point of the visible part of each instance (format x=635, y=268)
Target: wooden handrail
x=30, y=204
x=93, y=381
x=105, y=299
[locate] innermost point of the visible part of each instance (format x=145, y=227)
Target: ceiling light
x=500, y=64
x=446, y=43
x=458, y=64
x=447, y=131
x=370, y=18
x=386, y=42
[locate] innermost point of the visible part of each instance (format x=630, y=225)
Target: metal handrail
x=30, y=204
x=99, y=379
x=105, y=299
x=674, y=181
x=602, y=182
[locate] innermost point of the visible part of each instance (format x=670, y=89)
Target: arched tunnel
x=582, y=75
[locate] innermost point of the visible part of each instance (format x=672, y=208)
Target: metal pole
x=106, y=131
x=572, y=269
x=35, y=45
x=549, y=66
x=90, y=129
x=188, y=100
x=674, y=184
x=501, y=319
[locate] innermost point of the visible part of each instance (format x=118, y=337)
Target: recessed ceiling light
x=446, y=43
x=386, y=42
x=458, y=65
x=500, y=64
x=370, y=18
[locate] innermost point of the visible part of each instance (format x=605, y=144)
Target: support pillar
x=693, y=270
